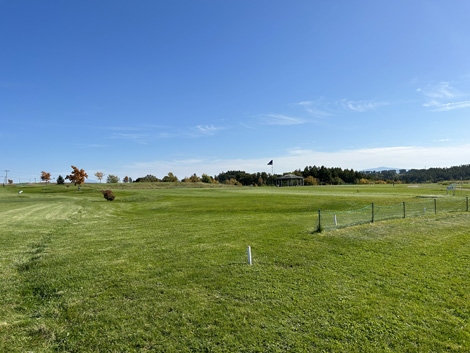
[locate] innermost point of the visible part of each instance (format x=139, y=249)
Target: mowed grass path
x=166, y=270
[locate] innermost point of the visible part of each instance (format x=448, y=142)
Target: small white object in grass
x=249, y=255
x=336, y=223
x=20, y=192
x=425, y=210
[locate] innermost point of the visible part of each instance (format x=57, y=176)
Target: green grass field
x=165, y=270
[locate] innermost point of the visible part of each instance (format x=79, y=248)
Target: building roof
x=289, y=177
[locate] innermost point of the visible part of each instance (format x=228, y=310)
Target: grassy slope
x=165, y=270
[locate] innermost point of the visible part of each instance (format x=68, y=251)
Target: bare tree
x=99, y=176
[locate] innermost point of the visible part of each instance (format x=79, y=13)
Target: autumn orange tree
x=45, y=176
x=77, y=177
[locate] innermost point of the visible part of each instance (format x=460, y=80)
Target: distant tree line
x=238, y=177
x=336, y=176
x=312, y=175
x=430, y=175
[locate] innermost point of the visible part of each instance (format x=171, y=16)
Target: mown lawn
x=166, y=270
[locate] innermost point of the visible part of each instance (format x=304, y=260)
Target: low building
x=290, y=180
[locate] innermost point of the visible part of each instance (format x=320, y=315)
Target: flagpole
x=271, y=163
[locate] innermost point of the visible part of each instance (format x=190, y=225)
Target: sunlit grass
x=166, y=270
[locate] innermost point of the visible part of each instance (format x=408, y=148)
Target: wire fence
x=372, y=213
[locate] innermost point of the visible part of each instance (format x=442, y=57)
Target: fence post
x=319, y=220
x=435, y=206
x=372, y=212
x=404, y=210
x=467, y=203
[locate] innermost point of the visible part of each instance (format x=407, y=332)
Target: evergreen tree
x=112, y=179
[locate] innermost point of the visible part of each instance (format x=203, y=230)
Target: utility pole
x=6, y=175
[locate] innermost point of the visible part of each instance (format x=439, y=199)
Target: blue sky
x=205, y=86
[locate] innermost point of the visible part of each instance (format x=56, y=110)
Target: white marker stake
x=336, y=223
x=249, y=255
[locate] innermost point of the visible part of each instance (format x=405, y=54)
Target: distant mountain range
x=379, y=169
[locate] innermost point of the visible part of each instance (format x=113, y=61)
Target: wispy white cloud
x=322, y=108
x=318, y=108
x=439, y=106
x=444, y=97
x=318, y=111
x=138, y=138
x=361, y=106
x=146, y=132
x=442, y=90
x=124, y=128
x=207, y=129
x=280, y=119
x=245, y=125
x=296, y=151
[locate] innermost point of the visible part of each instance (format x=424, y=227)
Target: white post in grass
x=336, y=223
x=249, y=255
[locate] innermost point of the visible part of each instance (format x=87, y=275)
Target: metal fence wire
x=372, y=213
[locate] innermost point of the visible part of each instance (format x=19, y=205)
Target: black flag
x=270, y=163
